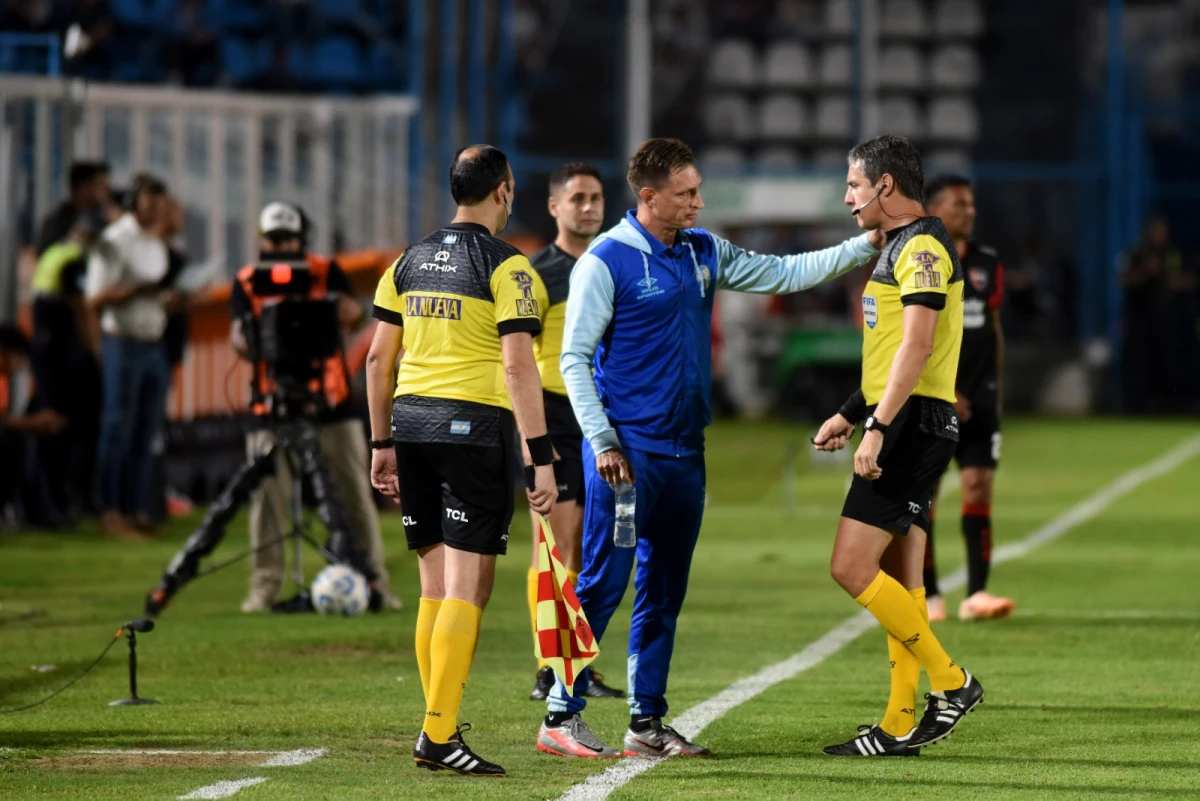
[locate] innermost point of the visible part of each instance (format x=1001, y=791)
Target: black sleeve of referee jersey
x=931, y=300
x=530, y=325
x=388, y=316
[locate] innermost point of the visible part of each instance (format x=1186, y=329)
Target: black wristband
x=541, y=450
x=855, y=407
x=381, y=444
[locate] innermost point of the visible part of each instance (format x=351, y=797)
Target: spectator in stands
x=89, y=191
x=124, y=284
x=1151, y=270
x=191, y=56
x=64, y=352
x=27, y=16
x=87, y=43
x=15, y=431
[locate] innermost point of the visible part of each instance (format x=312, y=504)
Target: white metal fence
x=222, y=153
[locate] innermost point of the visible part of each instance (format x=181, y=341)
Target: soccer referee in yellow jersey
x=463, y=307
x=913, y=321
x=576, y=203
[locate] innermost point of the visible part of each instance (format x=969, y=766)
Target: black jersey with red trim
x=983, y=293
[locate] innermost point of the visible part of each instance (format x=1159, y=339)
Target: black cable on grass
x=86, y=671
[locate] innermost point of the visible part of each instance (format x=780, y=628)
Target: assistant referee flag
x=564, y=638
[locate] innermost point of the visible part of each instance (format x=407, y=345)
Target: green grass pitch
x=1093, y=687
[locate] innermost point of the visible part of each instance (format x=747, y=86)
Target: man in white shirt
x=125, y=287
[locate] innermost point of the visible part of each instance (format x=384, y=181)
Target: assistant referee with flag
x=464, y=307
x=639, y=314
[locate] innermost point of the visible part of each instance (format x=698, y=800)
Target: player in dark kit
x=912, y=315
x=576, y=203
x=979, y=401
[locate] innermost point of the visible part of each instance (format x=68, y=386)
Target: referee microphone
x=859, y=210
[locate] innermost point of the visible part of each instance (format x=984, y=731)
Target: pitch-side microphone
x=142, y=624
x=858, y=210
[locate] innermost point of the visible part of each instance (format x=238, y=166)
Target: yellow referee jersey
x=455, y=293
x=554, y=265
x=919, y=265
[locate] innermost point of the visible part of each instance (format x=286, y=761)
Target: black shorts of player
x=917, y=448
x=979, y=439
x=568, y=441
x=461, y=495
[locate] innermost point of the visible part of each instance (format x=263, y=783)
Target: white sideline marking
x=167, y=752
x=223, y=789
x=1107, y=614
x=694, y=720
x=289, y=759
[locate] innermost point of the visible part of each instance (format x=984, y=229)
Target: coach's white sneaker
x=660, y=741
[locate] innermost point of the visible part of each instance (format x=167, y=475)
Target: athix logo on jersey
x=870, y=311
x=928, y=277
x=649, y=284
x=979, y=278
x=439, y=263
x=526, y=306
x=429, y=306
x=449, y=239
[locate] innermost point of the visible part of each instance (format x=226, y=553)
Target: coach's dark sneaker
x=660, y=741
x=945, y=710
x=543, y=684
x=873, y=741
x=598, y=689
x=454, y=756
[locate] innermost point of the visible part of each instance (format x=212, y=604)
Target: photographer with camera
x=283, y=233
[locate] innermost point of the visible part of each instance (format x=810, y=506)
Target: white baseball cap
x=280, y=218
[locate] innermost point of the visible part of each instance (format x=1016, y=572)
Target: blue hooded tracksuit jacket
x=637, y=364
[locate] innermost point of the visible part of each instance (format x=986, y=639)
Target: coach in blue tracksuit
x=639, y=314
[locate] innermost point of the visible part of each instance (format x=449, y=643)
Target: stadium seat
x=953, y=119
x=778, y=159
x=733, y=64
x=722, y=160
x=338, y=11
x=338, y=63
x=839, y=17
x=901, y=67
x=837, y=66
x=831, y=157
x=241, y=15
x=834, y=118
x=729, y=118
x=959, y=18
x=143, y=13
x=787, y=65
x=947, y=160
x=901, y=117
x=955, y=67
x=905, y=19
x=242, y=60
x=782, y=118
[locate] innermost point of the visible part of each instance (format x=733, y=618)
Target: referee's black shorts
x=568, y=441
x=917, y=448
x=461, y=495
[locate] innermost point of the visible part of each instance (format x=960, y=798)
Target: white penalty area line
x=694, y=720
x=229, y=787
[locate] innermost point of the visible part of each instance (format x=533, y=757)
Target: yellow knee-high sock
x=898, y=612
x=455, y=634
x=427, y=613
x=901, y=713
x=531, y=593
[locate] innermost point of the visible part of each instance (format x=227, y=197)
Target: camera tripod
x=295, y=440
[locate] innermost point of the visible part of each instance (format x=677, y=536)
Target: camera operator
x=283, y=233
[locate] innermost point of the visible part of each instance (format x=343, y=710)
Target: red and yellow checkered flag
x=564, y=638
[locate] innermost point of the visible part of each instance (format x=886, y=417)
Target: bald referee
x=464, y=307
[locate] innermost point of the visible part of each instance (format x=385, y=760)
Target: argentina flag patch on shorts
x=461, y=427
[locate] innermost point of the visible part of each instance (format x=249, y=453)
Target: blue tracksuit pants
x=670, y=506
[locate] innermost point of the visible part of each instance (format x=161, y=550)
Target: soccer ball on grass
x=340, y=590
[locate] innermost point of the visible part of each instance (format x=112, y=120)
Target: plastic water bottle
x=624, y=532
